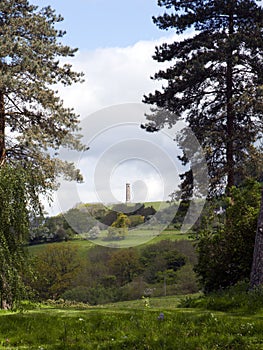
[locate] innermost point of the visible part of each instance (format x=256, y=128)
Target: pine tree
x=215, y=81
x=33, y=125
x=33, y=119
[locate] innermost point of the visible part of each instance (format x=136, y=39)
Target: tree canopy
x=215, y=81
x=33, y=119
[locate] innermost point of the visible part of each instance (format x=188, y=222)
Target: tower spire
x=128, y=193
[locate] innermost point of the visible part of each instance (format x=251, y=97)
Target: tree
x=136, y=220
x=33, y=119
x=159, y=257
x=94, y=232
x=33, y=122
x=124, y=264
x=79, y=220
x=119, y=228
x=14, y=233
x=215, y=83
x=56, y=268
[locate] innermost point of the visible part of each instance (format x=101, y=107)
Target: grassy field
x=148, y=238
x=157, y=205
x=130, y=325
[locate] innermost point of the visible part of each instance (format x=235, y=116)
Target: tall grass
x=108, y=328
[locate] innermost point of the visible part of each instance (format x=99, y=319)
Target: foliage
x=214, y=81
x=56, y=268
x=136, y=220
x=14, y=233
x=124, y=264
x=186, y=280
x=78, y=220
x=160, y=257
x=225, y=257
x=237, y=298
x=62, y=227
x=91, y=295
x=30, y=109
x=122, y=221
x=102, y=274
x=119, y=227
x=94, y=232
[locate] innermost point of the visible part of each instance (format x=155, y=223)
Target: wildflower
x=146, y=301
x=161, y=317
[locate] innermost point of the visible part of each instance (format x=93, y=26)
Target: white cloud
x=114, y=76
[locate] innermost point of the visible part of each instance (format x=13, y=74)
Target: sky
x=116, y=40
x=92, y=24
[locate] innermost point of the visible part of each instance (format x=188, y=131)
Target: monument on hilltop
x=128, y=193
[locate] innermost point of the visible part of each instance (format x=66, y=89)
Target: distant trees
x=160, y=259
x=119, y=228
x=79, y=220
x=55, y=269
x=94, y=232
x=124, y=264
x=103, y=274
x=87, y=221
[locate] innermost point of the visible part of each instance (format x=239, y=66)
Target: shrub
x=237, y=298
x=225, y=257
x=78, y=294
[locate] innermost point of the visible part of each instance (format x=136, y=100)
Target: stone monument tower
x=128, y=193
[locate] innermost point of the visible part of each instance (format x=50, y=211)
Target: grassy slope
x=84, y=245
x=129, y=325
x=147, y=236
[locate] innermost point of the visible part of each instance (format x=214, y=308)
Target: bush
x=225, y=257
x=79, y=294
x=93, y=295
x=237, y=298
x=159, y=257
x=94, y=232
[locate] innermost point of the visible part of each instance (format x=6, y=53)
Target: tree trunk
x=230, y=108
x=256, y=277
x=5, y=294
x=2, y=129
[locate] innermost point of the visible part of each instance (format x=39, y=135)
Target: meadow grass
x=147, y=237
x=118, y=327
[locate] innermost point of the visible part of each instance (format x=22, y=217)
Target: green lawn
x=130, y=325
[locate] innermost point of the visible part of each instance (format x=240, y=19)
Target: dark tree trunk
x=230, y=109
x=2, y=129
x=256, y=277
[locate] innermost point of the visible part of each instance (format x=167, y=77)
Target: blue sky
x=102, y=23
